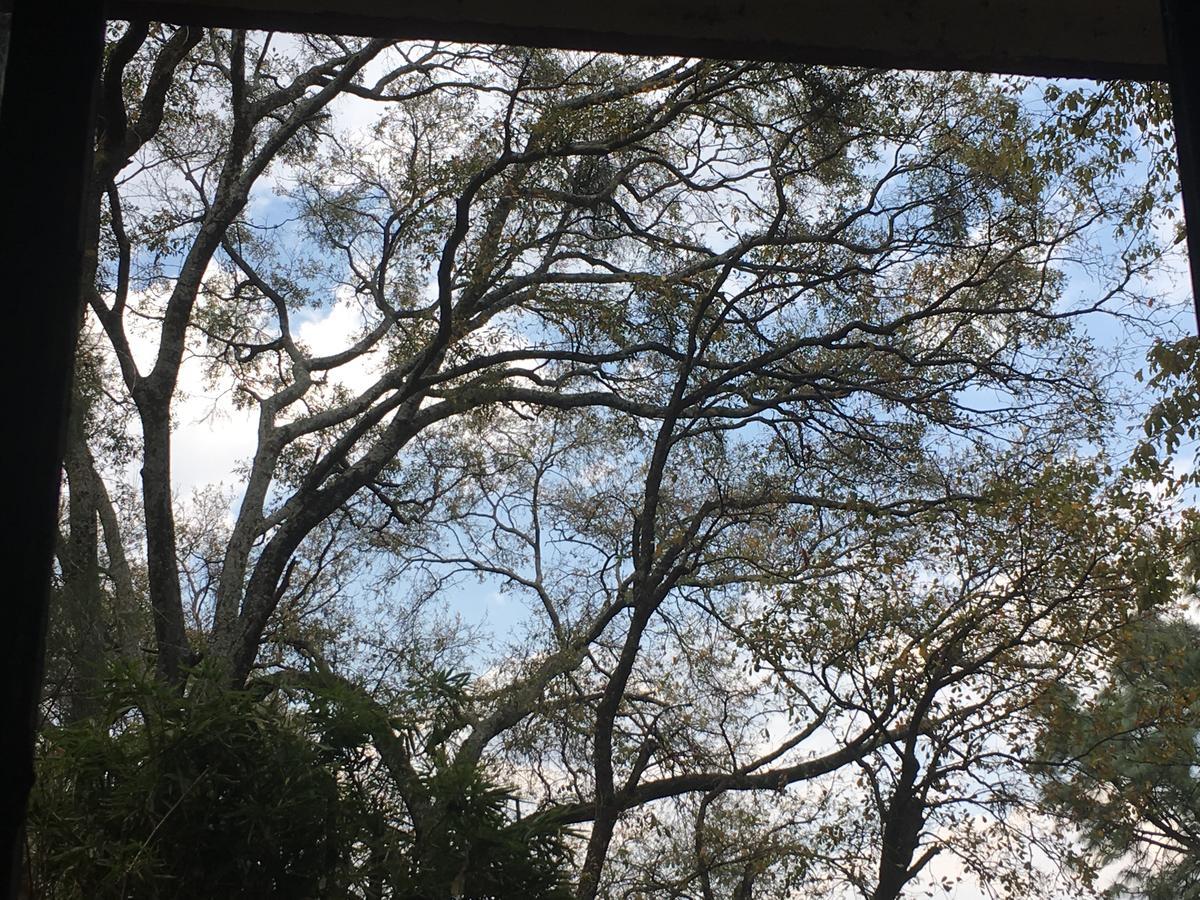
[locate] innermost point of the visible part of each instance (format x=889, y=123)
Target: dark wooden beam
x=1181, y=27
x=45, y=148
x=1086, y=38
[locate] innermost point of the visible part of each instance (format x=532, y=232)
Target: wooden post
x=1181, y=30
x=45, y=148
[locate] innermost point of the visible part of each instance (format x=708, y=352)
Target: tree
x=705, y=359
x=1120, y=764
x=905, y=685
x=1119, y=751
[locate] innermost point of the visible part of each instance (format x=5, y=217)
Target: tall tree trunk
x=166, y=601
x=82, y=598
x=605, y=820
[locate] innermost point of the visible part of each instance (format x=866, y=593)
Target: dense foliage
x=1122, y=764
x=233, y=793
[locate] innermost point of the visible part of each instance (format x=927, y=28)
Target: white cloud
x=335, y=330
x=211, y=439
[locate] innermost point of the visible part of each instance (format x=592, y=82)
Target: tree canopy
x=764, y=391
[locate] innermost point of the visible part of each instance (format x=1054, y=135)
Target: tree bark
x=82, y=598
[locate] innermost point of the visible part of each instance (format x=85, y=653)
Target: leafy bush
x=223, y=793
x=211, y=794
